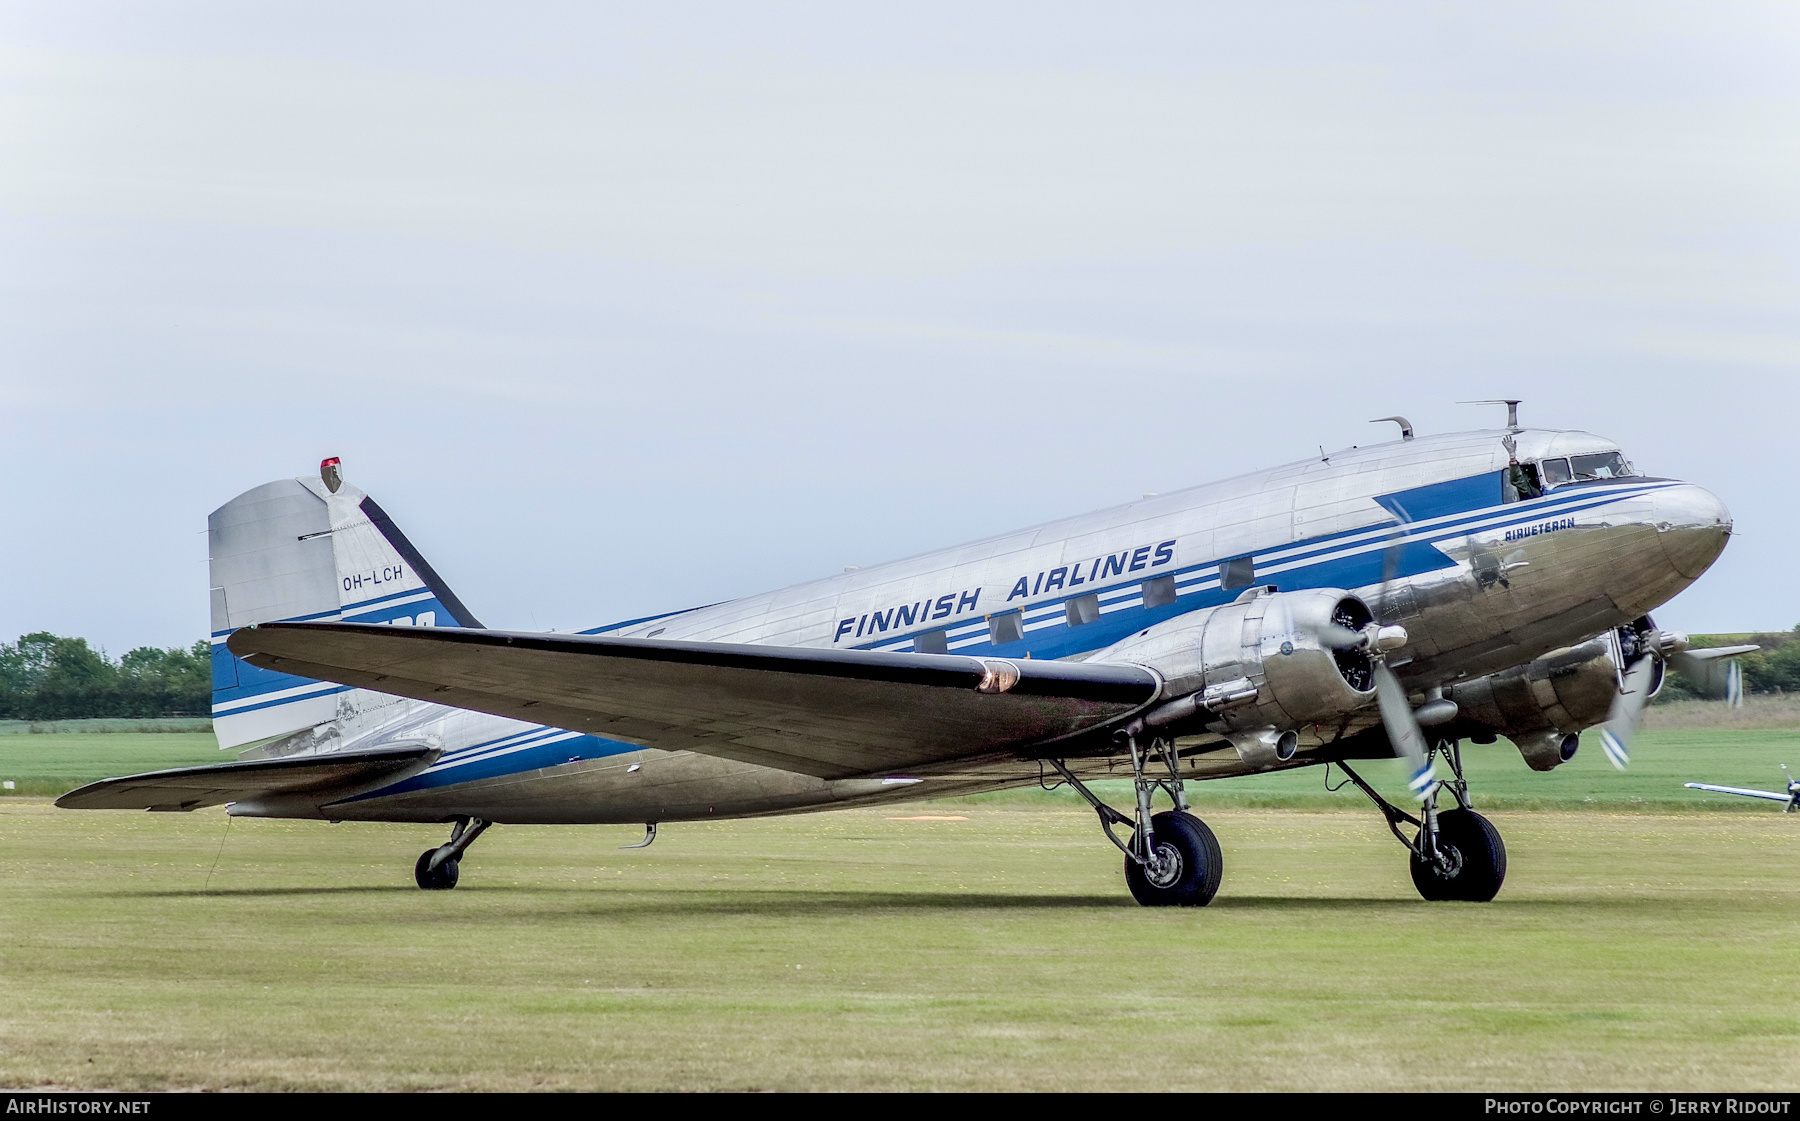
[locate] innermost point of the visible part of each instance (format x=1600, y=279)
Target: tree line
x=48, y=677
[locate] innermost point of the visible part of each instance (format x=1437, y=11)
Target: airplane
x=1394, y=599
x=1791, y=796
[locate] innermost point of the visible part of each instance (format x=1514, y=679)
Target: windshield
x=1555, y=471
x=1603, y=465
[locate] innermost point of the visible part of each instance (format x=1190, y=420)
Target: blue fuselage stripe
x=1346, y=559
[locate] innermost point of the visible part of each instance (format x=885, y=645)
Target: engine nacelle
x=1541, y=706
x=1258, y=663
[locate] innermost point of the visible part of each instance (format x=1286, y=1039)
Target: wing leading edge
x=828, y=713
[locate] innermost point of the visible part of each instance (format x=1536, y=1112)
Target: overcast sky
x=620, y=310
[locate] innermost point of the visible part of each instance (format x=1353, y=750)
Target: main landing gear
x=1171, y=859
x=438, y=869
x=1456, y=854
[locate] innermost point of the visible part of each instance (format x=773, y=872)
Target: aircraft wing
x=1769, y=794
x=1713, y=653
x=187, y=788
x=828, y=713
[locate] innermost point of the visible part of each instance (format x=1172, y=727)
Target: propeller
x=1390, y=698
x=1403, y=731
x=1628, y=711
x=1671, y=649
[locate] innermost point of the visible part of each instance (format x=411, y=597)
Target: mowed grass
x=1662, y=760
x=1628, y=951
x=54, y=763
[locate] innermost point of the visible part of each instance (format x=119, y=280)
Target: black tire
x=1185, y=839
x=441, y=878
x=1479, y=857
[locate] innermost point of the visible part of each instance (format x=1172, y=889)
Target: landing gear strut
x=1171, y=859
x=438, y=869
x=1456, y=854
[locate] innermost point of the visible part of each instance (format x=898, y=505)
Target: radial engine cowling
x=1259, y=663
x=1542, y=705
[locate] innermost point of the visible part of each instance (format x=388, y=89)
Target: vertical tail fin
x=309, y=550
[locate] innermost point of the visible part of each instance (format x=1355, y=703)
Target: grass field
x=1663, y=759
x=57, y=762
x=1628, y=951
x=1647, y=938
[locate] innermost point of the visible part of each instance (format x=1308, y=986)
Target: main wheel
x=441, y=878
x=1191, y=864
x=1477, y=860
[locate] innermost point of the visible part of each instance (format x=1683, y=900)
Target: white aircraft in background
x=1378, y=601
x=1791, y=796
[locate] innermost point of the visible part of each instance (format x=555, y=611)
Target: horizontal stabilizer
x=828, y=713
x=188, y=788
x=1768, y=794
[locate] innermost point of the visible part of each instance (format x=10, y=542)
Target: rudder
x=309, y=550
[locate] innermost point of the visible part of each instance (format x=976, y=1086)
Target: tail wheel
x=441, y=878
x=1190, y=865
x=1477, y=860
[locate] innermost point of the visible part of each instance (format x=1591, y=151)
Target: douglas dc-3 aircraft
x=1395, y=599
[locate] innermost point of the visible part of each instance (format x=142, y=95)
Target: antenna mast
x=1512, y=410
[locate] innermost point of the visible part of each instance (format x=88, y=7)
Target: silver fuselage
x=1420, y=528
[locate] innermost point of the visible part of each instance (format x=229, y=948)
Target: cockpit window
x=1555, y=472
x=1602, y=465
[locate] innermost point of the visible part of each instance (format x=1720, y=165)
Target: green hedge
x=46, y=677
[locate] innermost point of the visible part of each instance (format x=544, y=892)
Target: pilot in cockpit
x=1520, y=482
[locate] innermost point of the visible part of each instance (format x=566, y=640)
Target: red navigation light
x=331, y=471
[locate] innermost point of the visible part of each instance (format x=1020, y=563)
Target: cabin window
x=1239, y=573
x=1604, y=465
x=1519, y=482
x=1082, y=609
x=1159, y=592
x=1555, y=472
x=1006, y=627
x=931, y=642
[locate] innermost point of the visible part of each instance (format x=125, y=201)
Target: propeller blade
x=1390, y=561
x=1403, y=731
x=1627, y=712
x=1341, y=638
